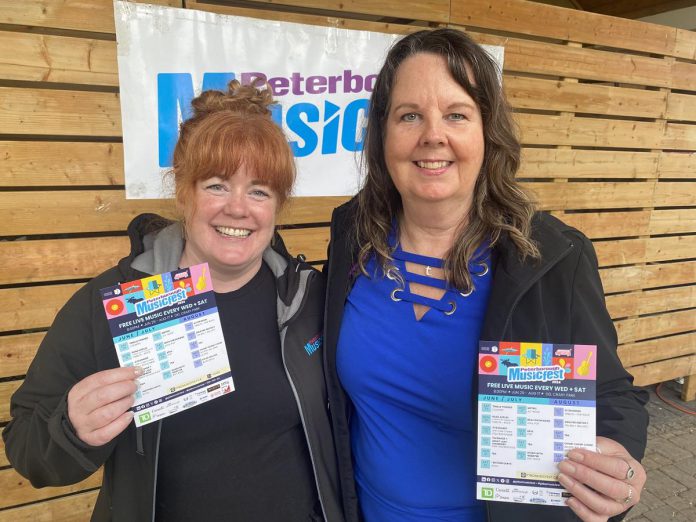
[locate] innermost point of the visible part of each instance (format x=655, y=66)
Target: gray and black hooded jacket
x=40, y=442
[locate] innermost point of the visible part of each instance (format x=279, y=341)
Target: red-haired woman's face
x=231, y=226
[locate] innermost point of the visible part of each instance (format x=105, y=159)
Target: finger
x=103, y=396
x=613, y=466
x=583, y=512
x=103, y=378
x=102, y=418
x=107, y=433
x=603, y=484
x=595, y=502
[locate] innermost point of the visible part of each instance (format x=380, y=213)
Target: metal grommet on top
x=451, y=310
x=393, y=294
x=391, y=273
x=485, y=269
x=468, y=293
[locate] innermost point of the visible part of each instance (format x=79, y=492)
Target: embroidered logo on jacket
x=314, y=344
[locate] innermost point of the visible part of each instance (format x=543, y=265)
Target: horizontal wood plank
x=430, y=10
x=661, y=371
x=657, y=349
x=679, y=136
x=670, y=248
x=7, y=388
x=59, y=112
x=658, y=325
x=47, y=58
x=95, y=15
x=17, y=490
x=73, y=508
x=35, y=164
x=544, y=129
x=592, y=195
x=550, y=95
x=622, y=279
x=310, y=242
x=681, y=107
x=519, y=16
x=17, y=352
x=626, y=278
x=57, y=259
x=672, y=194
x=559, y=163
x=3, y=459
x=677, y=164
x=33, y=307
x=527, y=56
x=666, y=299
x=609, y=224
x=621, y=252
x=669, y=221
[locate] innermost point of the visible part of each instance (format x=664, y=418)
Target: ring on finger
x=630, y=473
x=629, y=497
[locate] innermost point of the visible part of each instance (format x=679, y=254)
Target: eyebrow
x=452, y=106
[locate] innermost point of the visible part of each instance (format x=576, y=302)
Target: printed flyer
x=168, y=324
x=535, y=403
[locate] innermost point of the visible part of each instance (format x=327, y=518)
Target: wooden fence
x=606, y=107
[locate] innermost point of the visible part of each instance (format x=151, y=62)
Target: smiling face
x=434, y=143
x=231, y=224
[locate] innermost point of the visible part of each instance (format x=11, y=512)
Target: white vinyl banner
x=322, y=78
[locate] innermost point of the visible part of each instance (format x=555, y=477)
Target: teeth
x=233, y=232
x=433, y=164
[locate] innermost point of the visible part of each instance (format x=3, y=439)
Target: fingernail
x=138, y=371
x=565, y=480
x=577, y=456
x=566, y=466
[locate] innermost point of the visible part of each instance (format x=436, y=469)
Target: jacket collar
x=513, y=277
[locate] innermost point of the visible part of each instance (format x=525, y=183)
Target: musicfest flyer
x=535, y=403
x=169, y=325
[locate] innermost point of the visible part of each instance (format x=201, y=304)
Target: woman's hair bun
x=254, y=98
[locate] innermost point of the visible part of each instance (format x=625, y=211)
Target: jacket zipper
x=524, y=290
x=297, y=397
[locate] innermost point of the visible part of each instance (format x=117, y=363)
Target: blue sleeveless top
x=411, y=384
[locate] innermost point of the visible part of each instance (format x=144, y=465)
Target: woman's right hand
x=98, y=405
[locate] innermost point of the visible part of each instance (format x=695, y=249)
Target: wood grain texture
x=430, y=10
x=592, y=195
x=681, y=107
x=550, y=95
x=609, y=224
x=543, y=129
x=17, y=352
x=33, y=307
x=657, y=349
x=621, y=252
x=36, y=164
x=59, y=112
x=47, y=58
x=677, y=164
x=672, y=221
x=3, y=460
x=626, y=278
x=17, y=490
x=73, y=508
x=560, y=163
x=663, y=370
x=94, y=15
x=679, y=136
x=530, y=18
x=6, y=390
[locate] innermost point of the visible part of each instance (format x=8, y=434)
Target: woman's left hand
x=602, y=484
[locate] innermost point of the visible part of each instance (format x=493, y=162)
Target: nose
x=433, y=133
x=236, y=205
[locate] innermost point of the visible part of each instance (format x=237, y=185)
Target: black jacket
x=41, y=444
x=558, y=299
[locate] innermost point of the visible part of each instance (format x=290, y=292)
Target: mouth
x=433, y=164
x=233, y=232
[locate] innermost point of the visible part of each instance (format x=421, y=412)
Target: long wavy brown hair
x=499, y=203
x=227, y=130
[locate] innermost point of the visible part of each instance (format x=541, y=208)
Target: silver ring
x=393, y=294
x=467, y=293
x=628, y=499
x=630, y=473
x=452, y=309
x=485, y=269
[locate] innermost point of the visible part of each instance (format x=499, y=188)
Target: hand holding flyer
x=168, y=324
x=536, y=402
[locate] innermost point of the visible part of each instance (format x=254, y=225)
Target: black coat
x=558, y=299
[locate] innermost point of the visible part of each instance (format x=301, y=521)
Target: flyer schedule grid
x=168, y=324
x=536, y=402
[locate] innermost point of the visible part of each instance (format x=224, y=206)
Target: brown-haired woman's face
x=434, y=143
x=232, y=224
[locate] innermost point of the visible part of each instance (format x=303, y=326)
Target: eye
x=215, y=188
x=409, y=117
x=260, y=193
x=456, y=116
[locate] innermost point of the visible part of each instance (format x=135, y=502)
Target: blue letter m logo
x=174, y=95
